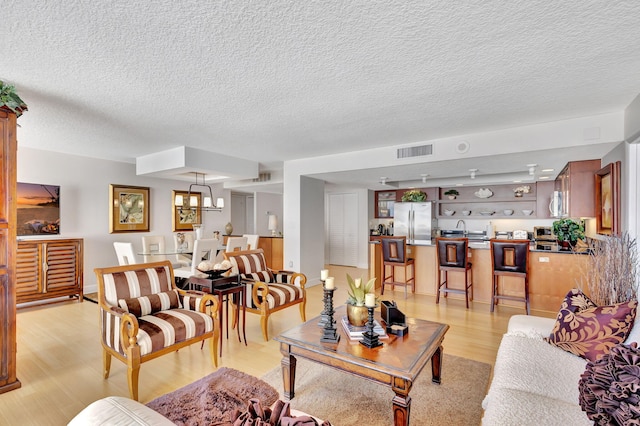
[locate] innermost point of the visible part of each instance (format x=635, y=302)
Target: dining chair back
x=252, y=241
x=183, y=242
x=205, y=249
x=236, y=244
x=125, y=253
x=153, y=244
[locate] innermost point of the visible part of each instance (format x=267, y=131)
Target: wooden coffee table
x=396, y=364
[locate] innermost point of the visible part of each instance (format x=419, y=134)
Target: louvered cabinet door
x=28, y=271
x=49, y=269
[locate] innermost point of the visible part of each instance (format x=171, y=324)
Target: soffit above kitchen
x=269, y=82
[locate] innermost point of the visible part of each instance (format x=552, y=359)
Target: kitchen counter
x=484, y=245
x=551, y=274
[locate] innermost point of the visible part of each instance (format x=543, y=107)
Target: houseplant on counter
x=10, y=100
x=357, y=312
x=452, y=194
x=414, y=195
x=568, y=231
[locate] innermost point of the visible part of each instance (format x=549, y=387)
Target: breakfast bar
x=551, y=274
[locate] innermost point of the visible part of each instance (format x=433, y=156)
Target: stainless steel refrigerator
x=416, y=221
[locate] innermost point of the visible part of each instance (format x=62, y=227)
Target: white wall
x=84, y=202
x=266, y=202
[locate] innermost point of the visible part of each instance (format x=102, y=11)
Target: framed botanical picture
x=608, y=199
x=128, y=208
x=185, y=211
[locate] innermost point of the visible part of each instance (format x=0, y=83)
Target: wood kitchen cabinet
x=576, y=182
x=49, y=268
x=384, y=204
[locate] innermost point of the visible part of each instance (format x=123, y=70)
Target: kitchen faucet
x=464, y=226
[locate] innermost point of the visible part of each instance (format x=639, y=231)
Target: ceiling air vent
x=263, y=177
x=415, y=151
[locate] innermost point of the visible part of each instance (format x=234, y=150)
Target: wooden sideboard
x=273, y=248
x=49, y=268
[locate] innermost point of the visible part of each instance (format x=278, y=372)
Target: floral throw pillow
x=590, y=331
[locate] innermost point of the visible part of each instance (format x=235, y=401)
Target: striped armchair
x=268, y=290
x=143, y=316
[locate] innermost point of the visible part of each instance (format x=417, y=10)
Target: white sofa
x=534, y=383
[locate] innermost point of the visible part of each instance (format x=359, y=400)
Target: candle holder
x=324, y=316
x=370, y=337
x=329, y=333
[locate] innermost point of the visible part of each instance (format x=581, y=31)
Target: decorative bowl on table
x=213, y=274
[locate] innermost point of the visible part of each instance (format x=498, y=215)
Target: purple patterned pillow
x=590, y=331
x=609, y=388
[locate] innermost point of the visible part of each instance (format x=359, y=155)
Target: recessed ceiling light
x=546, y=170
x=517, y=181
x=459, y=184
x=543, y=177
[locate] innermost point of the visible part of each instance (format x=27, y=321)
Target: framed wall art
x=185, y=211
x=608, y=199
x=38, y=209
x=128, y=208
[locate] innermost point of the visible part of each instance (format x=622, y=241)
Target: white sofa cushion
x=534, y=366
x=116, y=410
x=517, y=407
x=531, y=325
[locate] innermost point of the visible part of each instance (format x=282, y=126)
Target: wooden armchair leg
x=264, y=323
x=303, y=310
x=213, y=346
x=106, y=363
x=133, y=374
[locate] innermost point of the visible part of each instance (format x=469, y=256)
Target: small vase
x=228, y=228
x=518, y=194
x=357, y=315
x=451, y=197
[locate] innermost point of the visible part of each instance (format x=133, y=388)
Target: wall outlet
x=291, y=264
x=543, y=260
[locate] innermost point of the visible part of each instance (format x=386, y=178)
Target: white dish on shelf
x=527, y=212
x=466, y=212
x=507, y=212
x=449, y=212
x=486, y=213
x=483, y=193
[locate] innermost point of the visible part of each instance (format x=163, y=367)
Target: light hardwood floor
x=60, y=357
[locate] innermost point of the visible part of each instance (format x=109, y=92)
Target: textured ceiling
x=273, y=81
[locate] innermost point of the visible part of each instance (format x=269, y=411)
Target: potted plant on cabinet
x=357, y=312
x=452, y=194
x=414, y=195
x=9, y=99
x=568, y=231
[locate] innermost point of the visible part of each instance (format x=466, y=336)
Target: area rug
x=213, y=398
x=344, y=399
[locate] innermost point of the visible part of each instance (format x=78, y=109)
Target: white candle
x=358, y=282
x=324, y=274
x=329, y=284
x=370, y=300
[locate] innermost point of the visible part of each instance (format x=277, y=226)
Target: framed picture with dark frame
x=128, y=208
x=608, y=199
x=185, y=215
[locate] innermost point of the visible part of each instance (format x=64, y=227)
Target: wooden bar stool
x=394, y=254
x=453, y=255
x=510, y=258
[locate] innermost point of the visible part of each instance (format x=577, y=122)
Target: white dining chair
x=183, y=242
x=252, y=241
x=155, y=244
x=236, y=243
x=202, y=250
x=125, y=253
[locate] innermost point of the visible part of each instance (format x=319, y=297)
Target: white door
x=342, y=229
